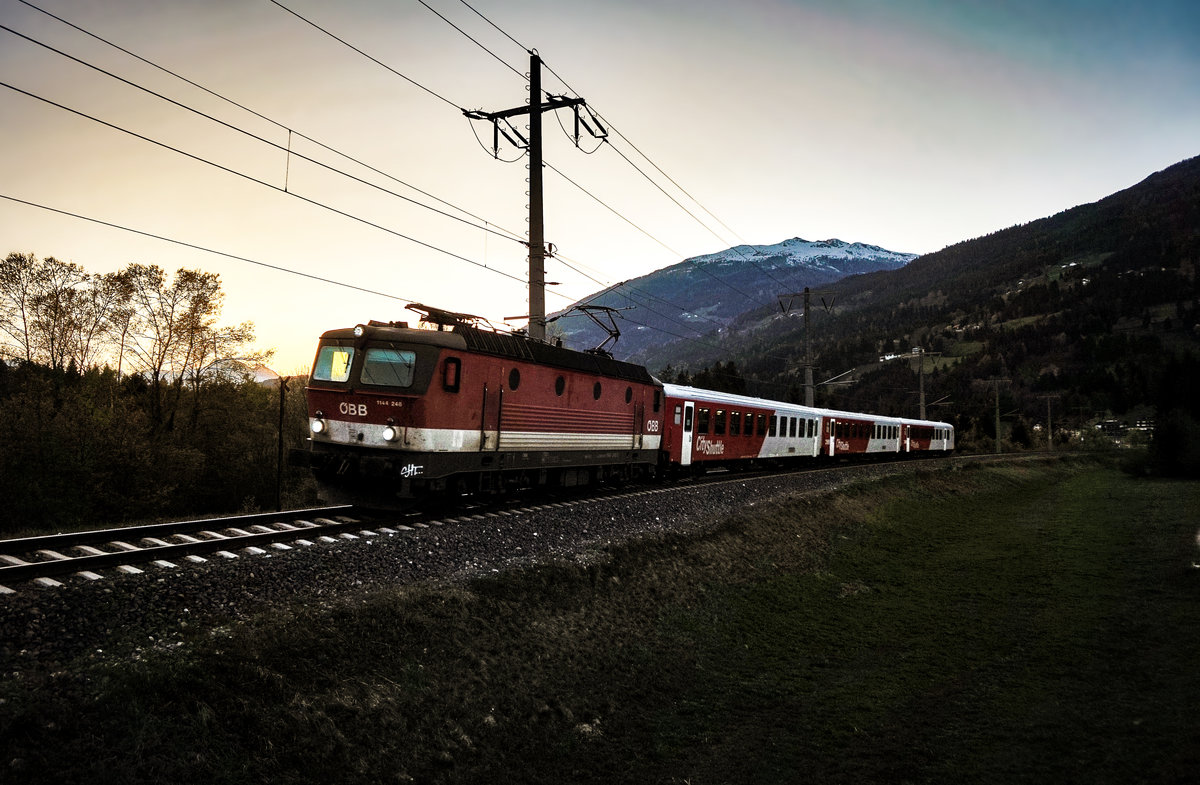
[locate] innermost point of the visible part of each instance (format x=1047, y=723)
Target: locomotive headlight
x=359, y=330
x=390, y=433
x=316, y=425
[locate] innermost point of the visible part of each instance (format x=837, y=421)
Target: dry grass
x=996, y=625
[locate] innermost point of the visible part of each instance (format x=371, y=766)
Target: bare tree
x=54, y=311
x=101, y=319
x=173, y=335
x=19, y=274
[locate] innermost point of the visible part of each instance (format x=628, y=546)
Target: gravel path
x=44, y=630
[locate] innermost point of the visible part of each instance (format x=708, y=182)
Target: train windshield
x=333, y=363
x=388, y=367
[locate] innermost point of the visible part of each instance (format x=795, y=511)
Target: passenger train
x=454, y=408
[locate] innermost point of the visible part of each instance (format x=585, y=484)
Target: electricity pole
x=996, y=384
x=1049, y=426
x=921, y=354
x=537, y=243
x=809, y=387
x=283, y=390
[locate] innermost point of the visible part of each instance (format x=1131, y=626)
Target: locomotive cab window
x=333, y=364
x=388, y=367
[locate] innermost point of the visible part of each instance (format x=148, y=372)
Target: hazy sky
x=907, y=124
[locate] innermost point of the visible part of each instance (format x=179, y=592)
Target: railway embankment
x=1007, y=623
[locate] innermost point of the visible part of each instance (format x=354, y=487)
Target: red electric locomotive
x=397, y=413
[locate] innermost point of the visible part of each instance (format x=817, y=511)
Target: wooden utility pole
x=537, y=242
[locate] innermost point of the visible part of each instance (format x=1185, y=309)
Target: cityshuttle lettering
x=704, y=445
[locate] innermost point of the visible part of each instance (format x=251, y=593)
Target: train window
x=560, y=386
x=596, y=390
x=735, y=423
x=514, y=379
x=388, y=367
x=702, y=420
x=773, y=426
x=658, y=401
x=628, y=394
x=687, y=420
x=451, y=370
x=678, y=414
x=792, y=427
x=719, y=422
x=762, y=424
x=333, y=364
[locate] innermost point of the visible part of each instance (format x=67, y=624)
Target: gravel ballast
x=44, y=630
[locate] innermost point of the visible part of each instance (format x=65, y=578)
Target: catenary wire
x=264, y=117
x=287, y=149
x=378, y=62
x=493, y=24
x=194, y=246
x=268, y=185
x=471, y=39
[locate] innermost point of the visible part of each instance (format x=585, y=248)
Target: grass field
x=998, y=625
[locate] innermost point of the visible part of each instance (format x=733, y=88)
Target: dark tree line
x=82, y=449
x=122, y=398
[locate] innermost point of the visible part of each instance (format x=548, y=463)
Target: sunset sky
x=906, y=124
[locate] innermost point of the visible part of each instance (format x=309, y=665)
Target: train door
x=689, y=411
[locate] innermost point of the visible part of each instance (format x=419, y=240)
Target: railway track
x=42, y=561
x=47, y=561
x=80, y=557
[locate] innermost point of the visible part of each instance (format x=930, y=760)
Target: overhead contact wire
x=378, y=62
x=194, y=246
x=266, y=184
x=499, y=233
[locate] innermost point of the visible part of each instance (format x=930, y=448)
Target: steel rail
x=70, y=539
x=202, y=537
